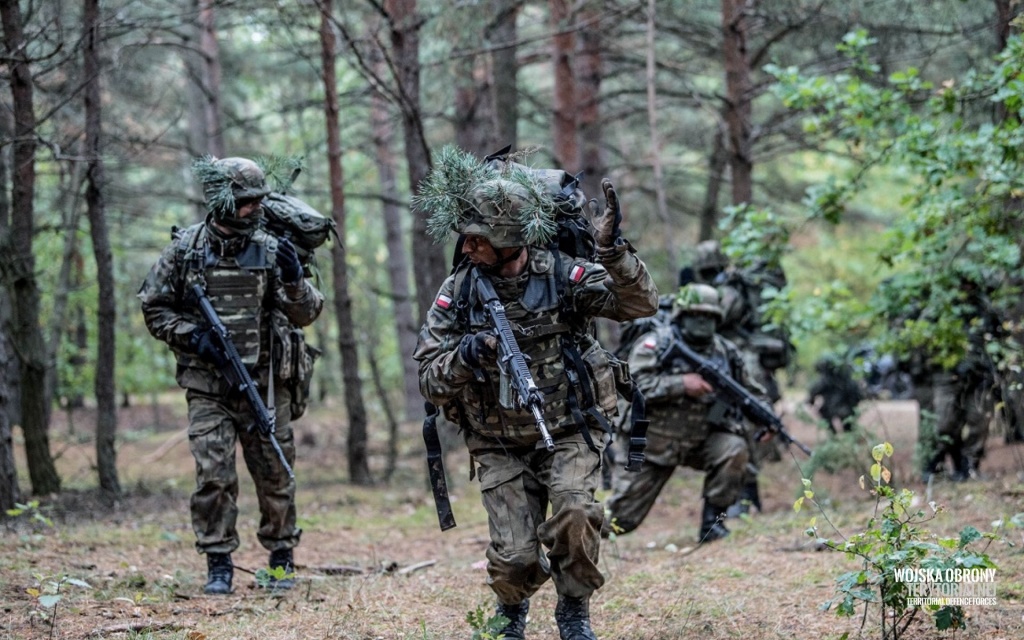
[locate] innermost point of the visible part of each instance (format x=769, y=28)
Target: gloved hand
x=606, y=223
x=478, y=348
x=288, y=261
x=205, y=346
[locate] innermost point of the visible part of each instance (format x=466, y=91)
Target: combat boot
x=516, y=614
x=282, y=558
x=711, y=526
x=219, y=571
x=749, y=497
x=573, y=618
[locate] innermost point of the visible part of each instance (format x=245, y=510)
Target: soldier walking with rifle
x=698, y=392
x=507, y=352
x=222, y=296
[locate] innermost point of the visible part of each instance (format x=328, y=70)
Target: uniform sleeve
x=658, y=387
x=301, y=302
x=443, y=373
x=160, y=303
x=618, y=286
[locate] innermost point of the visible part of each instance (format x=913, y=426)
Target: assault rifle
x=515, y=374
x=733, y=393
x=238, y=376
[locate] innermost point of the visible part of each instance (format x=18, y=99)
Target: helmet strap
x=512, y=257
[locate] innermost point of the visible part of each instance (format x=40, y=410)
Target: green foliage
x=838, y=452
x=959, y=219
x=893, y=542
x=485, y=626
x=31, y=511
x=48, y=594
x=265, y=576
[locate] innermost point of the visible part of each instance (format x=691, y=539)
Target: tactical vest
x=691, y=419
x=237, y=287
x=574, y=373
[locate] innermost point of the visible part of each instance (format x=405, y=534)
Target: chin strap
x=512, y=257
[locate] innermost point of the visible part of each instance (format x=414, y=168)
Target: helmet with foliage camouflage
x=709, y=260
x=226, y=181
x=697, y=298
x=511, y=208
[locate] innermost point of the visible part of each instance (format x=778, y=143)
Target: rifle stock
x=512, y=362
x=733, y=393
x=238, y=376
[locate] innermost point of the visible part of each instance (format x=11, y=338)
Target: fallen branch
x=171, y=442
x=136, y=627
x=417, y=566
x=337, y=570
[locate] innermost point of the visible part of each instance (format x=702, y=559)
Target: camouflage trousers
x=517, y=489
x=215, y=425
x=721, y=456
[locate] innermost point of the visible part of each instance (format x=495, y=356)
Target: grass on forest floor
x=144, y=579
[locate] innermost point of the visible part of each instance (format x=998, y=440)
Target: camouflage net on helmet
x=451, y=191
x=281, y=171
x=217, y=185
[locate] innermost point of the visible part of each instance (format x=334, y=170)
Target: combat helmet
x=697, y=298
x=228, y=180
x=709, y=260
x=511, y=208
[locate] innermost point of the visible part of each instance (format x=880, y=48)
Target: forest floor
x=373, y=564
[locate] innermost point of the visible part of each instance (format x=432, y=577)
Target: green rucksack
x=288, y=217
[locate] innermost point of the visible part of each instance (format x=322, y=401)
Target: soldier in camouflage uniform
x=255, y=283
x=688, y=425
x=839, y=392
x=551, y=299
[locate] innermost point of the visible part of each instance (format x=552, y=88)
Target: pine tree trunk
x=106, y=315
x=588, y=84
x=27, y=336
x=564, y=134
x=738, y=95
x=358, y=458
x=504, y=70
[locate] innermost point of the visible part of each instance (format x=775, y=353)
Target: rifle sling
x=435, y=469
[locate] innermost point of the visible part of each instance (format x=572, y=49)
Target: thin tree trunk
x=431, y=263
x=504, y=70
x=9, y=491
x=588, y=84
x=668, y=231
x=717, y=160
x=406, y=326
x=28, y=340
x=474, y=116
x=9, y=364
x=738, y=93
x=106, y=315
x=564, y=134
x=211, y=77
x=358, y=462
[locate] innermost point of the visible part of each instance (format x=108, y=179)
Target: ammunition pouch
x=295, y=366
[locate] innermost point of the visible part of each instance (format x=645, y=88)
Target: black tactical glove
x=478, y=348
x=606, y=223
x=204, y=345
x=288, y=261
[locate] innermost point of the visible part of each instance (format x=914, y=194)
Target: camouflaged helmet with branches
x=512, y=207
x=225, y=181
x=697, y=298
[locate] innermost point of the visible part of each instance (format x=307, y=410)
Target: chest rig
x=555, y=337
x=693, y=418
x=237, y=280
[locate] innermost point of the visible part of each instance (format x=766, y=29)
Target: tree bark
x=474, y=111
x=431, y=263
x=717, y=160
x=668, y=233
x=406, y=326
x=504, y=71
x=358, y=459
x=106, y=315
x=9, y=491
x=738, y=96
x=27, y=335
x=212, y=110
x=589, y=69
x=564, y=134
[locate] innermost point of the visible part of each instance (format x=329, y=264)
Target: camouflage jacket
x=617, y=287
x=672, y=413
x=171, y=315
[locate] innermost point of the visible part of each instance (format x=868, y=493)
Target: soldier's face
x=246, y=207
x=479, y=250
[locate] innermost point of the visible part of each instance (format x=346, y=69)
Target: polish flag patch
x=443, y=301
x=576, y=273
x=650, y=343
